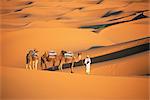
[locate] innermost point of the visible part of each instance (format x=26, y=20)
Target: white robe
x=87, y=63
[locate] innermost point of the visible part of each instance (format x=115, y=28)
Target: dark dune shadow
x=146, y=74
x=62, y=18
x=79, y=8
x=128, y=15
x=102, y=26
x=111, y=56
x=94, y=47
x=25, y=15
x=100, y=1
x=111, y=13
x=122, y=53
x=28, y=3
x=58, y=18
x=25, y=3
x=140, y=16
x=18, y=10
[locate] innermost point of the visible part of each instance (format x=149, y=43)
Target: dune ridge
x=111, y=56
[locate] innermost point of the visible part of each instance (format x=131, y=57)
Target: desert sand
x=45, y=85
x=77, y=26
x=126, y=66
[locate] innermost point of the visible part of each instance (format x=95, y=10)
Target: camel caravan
x=50, y=59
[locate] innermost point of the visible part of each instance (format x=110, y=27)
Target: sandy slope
x=114, y=48
x=109, y=53
x=47, y=25
x=124, y=30
x=15, y=44
x=55, y=25
x=127, y=66
x=20, y=84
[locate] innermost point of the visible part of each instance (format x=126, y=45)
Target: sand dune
x=35, y=19
x=114, y=48
x=72, y=12
x=120, y=59
x=93, y=27
x=124, y=30
x=39, y=85
x=28, y=21
x=44, y=40
x=25, y=22
x=126, y=66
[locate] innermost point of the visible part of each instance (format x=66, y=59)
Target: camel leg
x=54, y=61
x=33, y=65
x=36, y=64
x=26, y=66
x=72, y=64
x=30, y=65
x=42, y=62
x=45, y=65
x=60, y=67
x=41, y=66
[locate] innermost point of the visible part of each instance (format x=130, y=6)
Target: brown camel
x=59, y=60
x=70, y=59
x=62, y=59
x=45, y=59
x=75, y=59
x=29, y=60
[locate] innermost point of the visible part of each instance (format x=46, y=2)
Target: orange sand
x=41, y=85
x=54, y=25
x=127, y=66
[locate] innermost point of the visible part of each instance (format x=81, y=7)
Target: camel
x=46, y=58
x=61, y=59
x=44, y=61
x=35, y=60
x=32, y=60
x=75, y=59
x=29, y=60
x=70, y=59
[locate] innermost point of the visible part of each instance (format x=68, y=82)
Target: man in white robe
x=87, y=63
